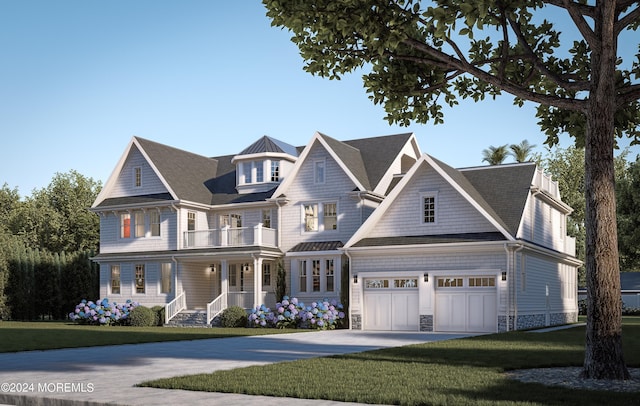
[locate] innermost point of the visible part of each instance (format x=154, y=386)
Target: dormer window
x=259, y=166
x=275, y=171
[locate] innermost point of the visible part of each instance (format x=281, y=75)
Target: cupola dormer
x=263, y=165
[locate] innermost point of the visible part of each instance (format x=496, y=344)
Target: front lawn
x=26, y=336
x=455, y=372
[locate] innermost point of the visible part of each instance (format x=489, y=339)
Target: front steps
x=189, y=318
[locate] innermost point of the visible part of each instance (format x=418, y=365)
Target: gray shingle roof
x=351, y=157
x=430, y=239
x=317, y=246
x=505, y=188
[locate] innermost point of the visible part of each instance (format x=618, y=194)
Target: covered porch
x=213, y=283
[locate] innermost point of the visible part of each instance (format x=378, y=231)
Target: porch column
x=257, y=281
x=224, y=277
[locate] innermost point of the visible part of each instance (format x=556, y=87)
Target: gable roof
x=187, y=176
x=364, y=160
x=505, y=188
x=466, y=188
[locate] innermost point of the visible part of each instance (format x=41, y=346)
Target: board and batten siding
x=336, y=188
x=111, y=242
x=125, y=183
x=454, y=214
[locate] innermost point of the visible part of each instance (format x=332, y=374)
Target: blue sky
x=79, y=78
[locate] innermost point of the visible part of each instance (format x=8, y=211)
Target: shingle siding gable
x=124, y=186
x=455, y=215
x=337, y=188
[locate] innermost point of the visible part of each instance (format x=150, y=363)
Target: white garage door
x=466, y=304
x=391, y=304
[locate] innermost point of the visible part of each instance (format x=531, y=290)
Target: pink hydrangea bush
x=102, y=312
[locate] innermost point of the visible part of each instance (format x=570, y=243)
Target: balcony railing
x=231, y=237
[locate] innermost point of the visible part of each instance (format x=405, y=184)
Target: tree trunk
x=603, y=350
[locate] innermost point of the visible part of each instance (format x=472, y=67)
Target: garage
x=391, y=304
x=466, y=304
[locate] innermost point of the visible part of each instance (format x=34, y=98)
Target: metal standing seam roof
x=317, y=246
x=268, y=144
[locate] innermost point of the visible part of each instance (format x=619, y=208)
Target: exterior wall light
x=355, y=278
x=504, y=275
x=426, y=277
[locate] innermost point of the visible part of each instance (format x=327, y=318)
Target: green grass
x=27, y=336
x=455, y=372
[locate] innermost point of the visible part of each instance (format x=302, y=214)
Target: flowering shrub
x=102, y=312
x=291, y=313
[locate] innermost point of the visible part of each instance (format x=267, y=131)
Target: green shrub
x=159, y=311
x=234, y=316
x=142, y=316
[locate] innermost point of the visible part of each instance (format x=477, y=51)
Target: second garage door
x=391, y=304
x=466, y=304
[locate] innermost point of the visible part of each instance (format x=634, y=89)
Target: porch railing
x=216, y=307
x=175, y=306
x=231, y=237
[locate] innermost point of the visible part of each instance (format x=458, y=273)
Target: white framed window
x=115, y=279
x=125, y=225
x=138, y=219
x=311, y=217
x=191, y=221
x=233, y=275
x=266, y=274
x=165, y=277
x=154, y=223
x=140, y=278
x=319, y=171
x=266, y=218
x=259, y=166
x=315, y=275
x=246, y=172
x=429, y=207
x=137, y=176
x=329, y=275
x=330, y=216
x=302, y=271
x=275, y=171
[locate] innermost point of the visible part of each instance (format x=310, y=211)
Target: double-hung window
x=329, y=274
x=266, y=274
x=125, y=225
x=330, y=216
x=140, y=278
x=266, y=218
x=302, y=270
x=115, y=279
x=154, y=223
x=138, y=218
x=137, y=176
x=311, y=217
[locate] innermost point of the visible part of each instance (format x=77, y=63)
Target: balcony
x=231, y=237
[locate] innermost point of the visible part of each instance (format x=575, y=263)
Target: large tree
x=420, y=55
x=628, y=198
x=495, y=155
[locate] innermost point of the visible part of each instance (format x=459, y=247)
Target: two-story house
x=199, y=234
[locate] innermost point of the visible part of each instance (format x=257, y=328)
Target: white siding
x=544, y=274
x=544, y=225
x=302, y=190
x=124, y=186
x=151, y=297
x=454, y=214
x=110, y=241
x=199, y=284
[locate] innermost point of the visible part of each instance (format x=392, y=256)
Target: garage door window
x=376, y=283
x=450, y=282
x=405, y=283
x=482, y=282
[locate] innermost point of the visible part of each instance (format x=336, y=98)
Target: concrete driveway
x=106, y=375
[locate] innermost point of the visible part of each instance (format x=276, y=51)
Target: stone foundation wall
x=356, y=322
x=426, y=322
